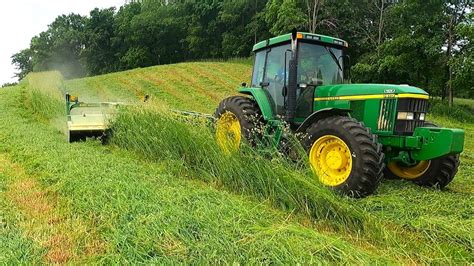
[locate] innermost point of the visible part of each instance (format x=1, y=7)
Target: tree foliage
x=23, y=61
x=422, y=43
x=61, y=46
x=463, y=61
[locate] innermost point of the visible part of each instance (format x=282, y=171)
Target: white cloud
x=20, y=20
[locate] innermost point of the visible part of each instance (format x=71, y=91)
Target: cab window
x=258, y=68
x=275, y=75
x=318, y=64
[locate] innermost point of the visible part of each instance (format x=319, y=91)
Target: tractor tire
x=436, y=173
x=345, y=155
x=238, y=119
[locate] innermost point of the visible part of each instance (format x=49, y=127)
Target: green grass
x=14, y=246
x=187, y=86
x=144, y=214
x=162, y=192
x=462, y=101
x=462, y=112
x=152, y=134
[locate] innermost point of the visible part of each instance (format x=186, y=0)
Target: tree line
x=423, y=43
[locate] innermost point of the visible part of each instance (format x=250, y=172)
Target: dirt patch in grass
x=64, y=237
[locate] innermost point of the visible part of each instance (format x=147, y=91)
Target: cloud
x=23, y=19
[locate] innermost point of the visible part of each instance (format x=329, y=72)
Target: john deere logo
x=390, y=91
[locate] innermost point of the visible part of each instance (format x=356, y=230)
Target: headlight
x=422, y=116
x=405, y=116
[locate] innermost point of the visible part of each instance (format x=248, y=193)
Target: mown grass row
x=15, y=247
x=186, y=86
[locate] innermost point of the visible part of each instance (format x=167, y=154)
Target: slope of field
x=188, y=86
x=129, y=203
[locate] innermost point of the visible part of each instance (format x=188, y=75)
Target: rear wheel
x=345, y=155
x=433, y=173
x=238, y=119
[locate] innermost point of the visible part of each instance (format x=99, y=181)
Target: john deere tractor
x=354, y=134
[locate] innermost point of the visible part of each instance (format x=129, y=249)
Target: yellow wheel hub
x=331, y=159
x=409, y=172
x=228, y=132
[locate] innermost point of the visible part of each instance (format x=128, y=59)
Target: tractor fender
x=261, y=98
x=321, y=114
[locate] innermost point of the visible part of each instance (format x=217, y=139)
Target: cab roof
x=302, y=36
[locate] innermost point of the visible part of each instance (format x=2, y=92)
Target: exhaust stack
x=292, y=78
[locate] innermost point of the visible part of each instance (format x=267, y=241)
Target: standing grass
x=163, y=136
x=44, y=94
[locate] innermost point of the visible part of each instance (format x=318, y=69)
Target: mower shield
x=88, y=119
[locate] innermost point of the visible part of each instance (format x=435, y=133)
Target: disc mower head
x=86, y=120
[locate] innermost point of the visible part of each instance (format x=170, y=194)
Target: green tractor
x=354, y=134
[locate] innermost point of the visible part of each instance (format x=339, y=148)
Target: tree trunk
x=381, y=22
x=449, y=88
x=313, y=7
x=256, y=12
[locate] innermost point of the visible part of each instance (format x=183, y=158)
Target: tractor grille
x=386, y=114
x=416, y=106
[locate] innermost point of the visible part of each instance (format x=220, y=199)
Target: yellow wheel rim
x=409, y=172
x=331, y=159
x=228, y=132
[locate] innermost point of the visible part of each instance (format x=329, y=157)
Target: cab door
x=269, y=74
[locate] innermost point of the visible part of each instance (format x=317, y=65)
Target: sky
x=20, y=20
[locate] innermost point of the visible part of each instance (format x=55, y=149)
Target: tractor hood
x=367, y=89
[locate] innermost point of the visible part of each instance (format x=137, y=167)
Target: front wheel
x=438, y=172
x=238, y=119
x=434, y=173
x=345, y=155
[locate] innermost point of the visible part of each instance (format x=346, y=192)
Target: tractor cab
x=318, y=60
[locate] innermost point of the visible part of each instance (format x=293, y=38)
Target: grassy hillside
x=162, y=192
x=188, y=86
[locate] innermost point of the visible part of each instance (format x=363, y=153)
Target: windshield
x=319, y=64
